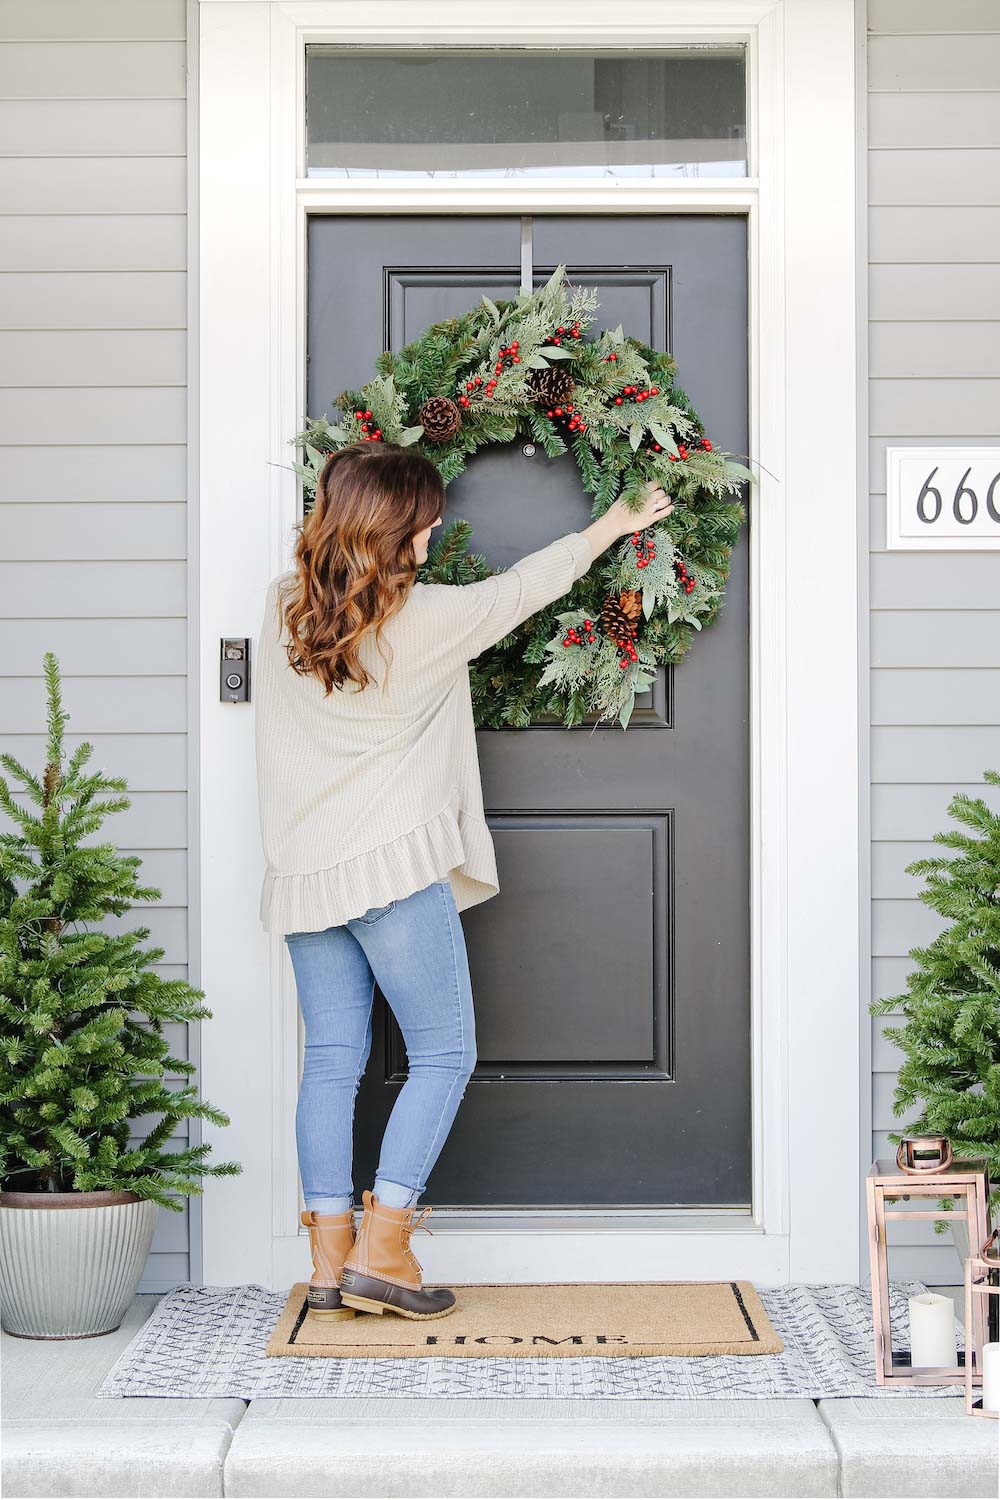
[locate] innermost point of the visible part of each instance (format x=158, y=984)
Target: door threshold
x=605, y=1220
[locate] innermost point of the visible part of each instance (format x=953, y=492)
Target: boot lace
x=418, y=1223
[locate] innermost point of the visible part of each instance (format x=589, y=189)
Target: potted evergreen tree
x=83, y=1055
x=950, y=1073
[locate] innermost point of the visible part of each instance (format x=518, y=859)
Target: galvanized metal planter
x=70, y=1262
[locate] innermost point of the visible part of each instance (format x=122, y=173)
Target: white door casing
x=805, y=769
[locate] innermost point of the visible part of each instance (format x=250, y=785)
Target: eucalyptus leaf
x=536, y=362
x=410, y=435
x=626, y=711
x=494, y=311
x=635, y=435
x=663, y=436
x=553, y=351
x=618, y=334
x=553, y=281
x=648, y=602
x=740, y=472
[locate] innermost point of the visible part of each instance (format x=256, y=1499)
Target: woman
x=375, y=837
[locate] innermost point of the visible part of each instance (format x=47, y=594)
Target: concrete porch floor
x=59, y=1439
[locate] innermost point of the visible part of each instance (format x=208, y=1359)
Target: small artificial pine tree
x=82, y=1011
x=951, y=1039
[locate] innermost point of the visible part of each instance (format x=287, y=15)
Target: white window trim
x=804, y=621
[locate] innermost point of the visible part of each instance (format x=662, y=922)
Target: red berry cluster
x=574, y=638
x=368, y=436
x=569, y=415
x=637, y=393
x=630, y=653
x=507, y=352
x=683, y=451
x=645, y=549
x=687, y=579
x=573, y=332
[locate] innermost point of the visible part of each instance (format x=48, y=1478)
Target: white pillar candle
x=991, y=1377
x=932, y=1332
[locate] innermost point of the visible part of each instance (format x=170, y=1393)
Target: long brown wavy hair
x=354, y=556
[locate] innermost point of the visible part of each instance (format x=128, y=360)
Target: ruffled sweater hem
x=453, y=845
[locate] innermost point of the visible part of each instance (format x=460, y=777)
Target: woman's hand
x=656, y=504
x=618, y=521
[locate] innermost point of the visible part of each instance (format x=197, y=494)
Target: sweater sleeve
x=495, y=606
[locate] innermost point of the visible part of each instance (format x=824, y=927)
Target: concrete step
x=60, y=1439
x=388, y=1447
x=913, y=1448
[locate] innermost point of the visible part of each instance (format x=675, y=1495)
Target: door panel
x=611, y=974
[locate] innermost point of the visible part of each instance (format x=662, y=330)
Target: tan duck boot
x=381, y=1274
x=331, y=1237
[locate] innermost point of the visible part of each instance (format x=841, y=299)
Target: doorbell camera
x=234, y=670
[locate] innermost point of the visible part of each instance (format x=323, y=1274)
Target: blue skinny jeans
x=415, y=949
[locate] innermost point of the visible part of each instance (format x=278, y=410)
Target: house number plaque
x=943, y=499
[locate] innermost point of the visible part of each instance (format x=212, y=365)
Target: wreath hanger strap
x=527, y=256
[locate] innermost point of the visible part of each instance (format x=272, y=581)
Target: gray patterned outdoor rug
x=211, y=1341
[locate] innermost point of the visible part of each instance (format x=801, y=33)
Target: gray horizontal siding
x=934, y=293
x=92, y=69
x=933, y=120
x=937, y=60
x=936, y=351
x=941, y=752
x=74, y=533
x=943, y=235
x=935, y=697
x=93, y=523
x=94, y=242
x=87, y=357
x=154, y=648
x=92, y=21
x=92, y=127
x=105, y=415
x=82, y=475
x=93, y=299
x=923, y=176
x=98, y=589
x=99, y=185
x=933, y=163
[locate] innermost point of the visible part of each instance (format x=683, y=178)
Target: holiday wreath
x=523, y=369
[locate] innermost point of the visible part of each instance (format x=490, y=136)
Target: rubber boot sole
x=317, y=1296
x=365, y=1304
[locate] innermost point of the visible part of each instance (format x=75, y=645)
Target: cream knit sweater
x=367, y=795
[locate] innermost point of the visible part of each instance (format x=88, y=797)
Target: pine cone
x=440, y=419
x=631, y=603
x=551, y=387
x=617, y=624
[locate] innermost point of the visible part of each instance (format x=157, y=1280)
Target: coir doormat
x=544, y=1321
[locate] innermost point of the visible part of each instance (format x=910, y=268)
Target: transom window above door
x=458, y=112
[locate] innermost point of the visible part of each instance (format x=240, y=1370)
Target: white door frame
x=805, y=768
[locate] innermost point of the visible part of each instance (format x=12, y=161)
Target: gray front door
x=612, y=973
